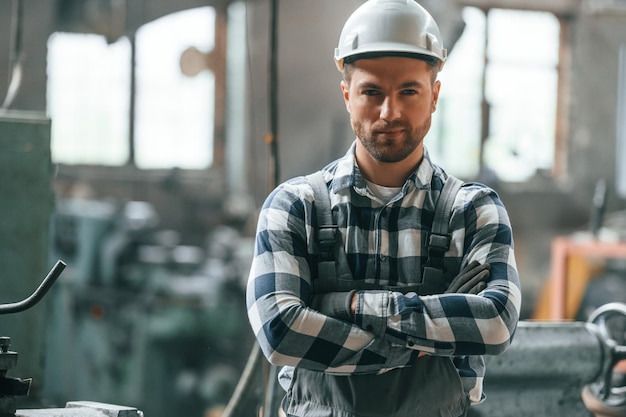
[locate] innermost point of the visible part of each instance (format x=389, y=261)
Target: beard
x=390, y=149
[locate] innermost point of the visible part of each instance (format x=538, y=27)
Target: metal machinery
x=139, y=318
x=560, y=369
x=25, y=207
x=137, y=322
x=11, y=387
x=552, y=369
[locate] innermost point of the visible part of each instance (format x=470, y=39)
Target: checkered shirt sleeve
x=391, y=328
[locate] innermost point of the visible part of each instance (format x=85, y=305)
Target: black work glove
x=334, y=304
x=471, y=280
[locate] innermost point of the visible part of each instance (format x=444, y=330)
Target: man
x=369, y=344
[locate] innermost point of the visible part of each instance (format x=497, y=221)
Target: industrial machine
x=561, y=368
x=141, y=317
x=552, y=369
x=12, y=387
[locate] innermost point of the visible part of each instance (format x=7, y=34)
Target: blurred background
x=139, y=138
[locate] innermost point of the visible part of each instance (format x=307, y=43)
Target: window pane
x=521, y=137
x=523, y=37
x=521, y=89
x=454, y=140
x=174, y=114
x=88, y=99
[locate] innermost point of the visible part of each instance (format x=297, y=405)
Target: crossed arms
x=372, y=331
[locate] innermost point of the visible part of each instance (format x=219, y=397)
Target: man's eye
x=409, y=92
x=370, y=92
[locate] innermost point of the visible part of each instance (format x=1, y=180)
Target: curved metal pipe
x=36, y=296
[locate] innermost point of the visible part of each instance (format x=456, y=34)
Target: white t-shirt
x=382, y=192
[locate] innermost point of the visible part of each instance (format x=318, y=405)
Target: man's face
x=391, y=101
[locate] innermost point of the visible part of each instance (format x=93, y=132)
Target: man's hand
x=334, y=304
x=342, y=305
x=471, y=279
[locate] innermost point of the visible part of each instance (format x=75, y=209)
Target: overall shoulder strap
x=327, y=235
x=326, y=231
x=440, y=237
x=443, y=209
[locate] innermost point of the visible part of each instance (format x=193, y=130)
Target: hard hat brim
x=430, y=59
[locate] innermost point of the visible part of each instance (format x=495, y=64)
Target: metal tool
x=604, y=397
x=38, y=294
x=11, y=388
x=557, y=369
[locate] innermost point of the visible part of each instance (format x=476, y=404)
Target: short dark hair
x=348, y=62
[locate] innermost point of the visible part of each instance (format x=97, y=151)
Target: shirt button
x=383, y=258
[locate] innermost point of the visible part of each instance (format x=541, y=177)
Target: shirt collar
x=348, y=174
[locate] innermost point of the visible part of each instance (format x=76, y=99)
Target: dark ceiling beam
x=114, y=19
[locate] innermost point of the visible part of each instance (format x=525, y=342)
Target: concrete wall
x=597, y=41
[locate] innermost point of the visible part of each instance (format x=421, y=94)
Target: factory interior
x=139, y=138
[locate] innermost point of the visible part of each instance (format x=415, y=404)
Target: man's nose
x=390, y=109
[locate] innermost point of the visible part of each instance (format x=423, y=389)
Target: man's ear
x=436, y=88
x=345, y=90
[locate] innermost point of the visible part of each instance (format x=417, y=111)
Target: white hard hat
x=390, y=28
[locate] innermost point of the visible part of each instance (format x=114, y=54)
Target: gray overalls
x=430, y=388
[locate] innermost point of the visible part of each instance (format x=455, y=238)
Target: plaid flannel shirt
x=384, y=244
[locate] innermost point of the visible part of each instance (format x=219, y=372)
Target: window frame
x=564, y=11
x=130, y=171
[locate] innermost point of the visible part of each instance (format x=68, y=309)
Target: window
x=89, y=87
x=174, y=122
x=88, y=101
x=621, y=125
x=518, y=79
